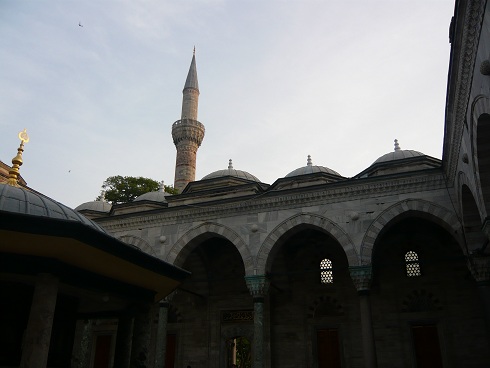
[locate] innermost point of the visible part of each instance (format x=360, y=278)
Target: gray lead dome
x=23, y=201
x=398, y=154
x=232, y=172
x=310, y=169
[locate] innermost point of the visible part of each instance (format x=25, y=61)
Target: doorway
x=426, y=346
x=102, y=356
x=170, y=350
x=328, y=348
x=239, y=353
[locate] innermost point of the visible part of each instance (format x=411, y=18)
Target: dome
x=398, y=154
x=158, y=196
x=310, y=169
x=231, y=172
x=23, y=201
x=99, y=205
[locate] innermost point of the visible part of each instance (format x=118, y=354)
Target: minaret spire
x=188, y=132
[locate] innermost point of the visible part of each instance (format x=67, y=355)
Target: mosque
x=389, y=268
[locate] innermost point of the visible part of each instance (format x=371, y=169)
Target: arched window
x=326, y=272
x=412, y=264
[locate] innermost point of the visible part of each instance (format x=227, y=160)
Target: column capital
x=479, y=266
x=361, y=276
x=258, y=285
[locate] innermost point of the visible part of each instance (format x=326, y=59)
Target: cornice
x=473, y=19
x=276, y=201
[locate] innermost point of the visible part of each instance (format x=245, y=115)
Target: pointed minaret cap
x=397, y=146
x=191, y=81
x=308, y=161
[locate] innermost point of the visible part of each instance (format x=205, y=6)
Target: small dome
x=310, y=169
x=100, y=205
x=23, y=201
x=231, y=172
x=398, y=154
x=158, y=196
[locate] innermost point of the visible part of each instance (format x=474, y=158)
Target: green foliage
x=123, y=189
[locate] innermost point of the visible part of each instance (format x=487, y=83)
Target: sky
x=98, y=85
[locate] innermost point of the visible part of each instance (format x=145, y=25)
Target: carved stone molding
x=463, y=78
x=258, y=285
x=361, y=190
x=361, y=276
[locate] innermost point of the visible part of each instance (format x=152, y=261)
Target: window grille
x=326, y=271
x=412, y=264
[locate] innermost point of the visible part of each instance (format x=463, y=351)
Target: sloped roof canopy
x=32, y=225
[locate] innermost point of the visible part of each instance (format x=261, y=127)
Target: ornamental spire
x=397, y=146
x=17, y=162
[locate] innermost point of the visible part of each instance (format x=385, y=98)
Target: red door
x=426, y=345
x=102, y=357
x=328, y=348
x=170, y=351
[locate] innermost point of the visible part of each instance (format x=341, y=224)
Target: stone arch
x=179, y=251
x=480, y=108
x=138, y=243
x=471, y=218
x=480, y=105
x=320, y=222
x=462, y=182
x=442, y=216
x=482, y=150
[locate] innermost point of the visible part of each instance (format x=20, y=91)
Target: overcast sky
x=279, y=80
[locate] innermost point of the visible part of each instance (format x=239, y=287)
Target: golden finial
x=17, y=160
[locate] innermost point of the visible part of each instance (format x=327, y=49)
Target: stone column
x=141, y=336
x=162, y=333
x=81, y=350
x=361, y=276
x=258, y=286
x=38, y=331
x=479, y=266
x=122, y=353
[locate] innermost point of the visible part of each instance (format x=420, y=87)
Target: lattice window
x=326, y=271
x=412, y=264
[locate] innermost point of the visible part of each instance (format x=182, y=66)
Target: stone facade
x=355, y=272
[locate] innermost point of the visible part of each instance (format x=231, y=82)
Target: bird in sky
x=80, y=24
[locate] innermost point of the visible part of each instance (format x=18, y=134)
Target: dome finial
x=161, y=187
x=17, y=162
x=194, y=51
x=308, y=161
x=230, y=164
x=397, y=146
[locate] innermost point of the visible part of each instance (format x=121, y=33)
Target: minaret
x=187, y=132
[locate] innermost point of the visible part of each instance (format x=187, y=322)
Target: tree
x=123, y=189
